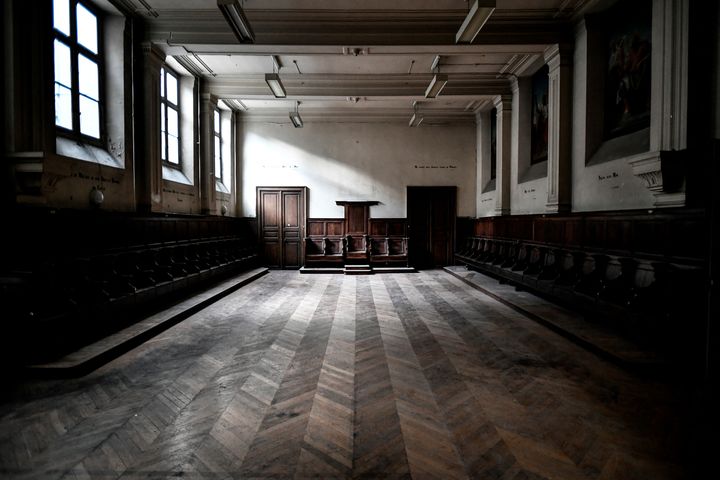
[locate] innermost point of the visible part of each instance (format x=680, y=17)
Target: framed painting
x=539, y=117
x=628, y=28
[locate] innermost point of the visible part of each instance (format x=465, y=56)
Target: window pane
x=163, y=140
x=88, y=77
x=162, y=82
x=89, y=117
x=173, y=153
x=63, y=107
x=227, y=173
x=216, y=122
x=172, y=124
x=162, y=117
x=87, y=29
x=62, y=64
x=172, y=88
x=61, y=16
x=218, y=162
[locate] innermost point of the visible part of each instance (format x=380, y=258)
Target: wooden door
x=431, y=225
x=281, y=225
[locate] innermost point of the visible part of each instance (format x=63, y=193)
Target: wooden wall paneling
x=321, y=227
x=335, y=227
x=679, y=233
x=378, y=227
x=315, y=228
x=356, y=219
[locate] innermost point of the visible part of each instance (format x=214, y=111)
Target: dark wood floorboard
x=332, y=376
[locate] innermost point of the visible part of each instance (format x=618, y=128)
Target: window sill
x=174, y=175
x=534, y=172
x=221, y=188
x=88, y=153
x=622, y=147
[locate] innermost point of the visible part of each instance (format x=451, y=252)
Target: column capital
x=153, y=55
x=558, y=55
x=503, y=102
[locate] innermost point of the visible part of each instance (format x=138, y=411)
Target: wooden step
x=97, y=354
x=358, y=270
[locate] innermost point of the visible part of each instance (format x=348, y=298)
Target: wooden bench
x=389, y=251
x=645, y=297
x=324, y=251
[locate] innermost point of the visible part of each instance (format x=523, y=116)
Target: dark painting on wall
x=627, y=81
x=539, y=117
x=493, y=144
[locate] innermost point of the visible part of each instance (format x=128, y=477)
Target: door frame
x=452, y=234
x=303, y=221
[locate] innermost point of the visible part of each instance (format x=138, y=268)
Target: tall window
x=218, y=146
x=169, y=118
x=77, y=51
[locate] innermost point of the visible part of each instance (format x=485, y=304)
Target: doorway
x=281, y=213
x=431, y=226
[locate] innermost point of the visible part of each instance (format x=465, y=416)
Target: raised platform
x=572, y=325
x=97, y=354
x=357, y=270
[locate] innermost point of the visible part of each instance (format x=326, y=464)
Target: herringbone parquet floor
x=335, y=376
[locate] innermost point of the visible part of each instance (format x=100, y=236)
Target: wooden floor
x=384, y=376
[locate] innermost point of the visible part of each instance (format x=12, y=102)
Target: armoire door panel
x=291, y=210
x=281, y=220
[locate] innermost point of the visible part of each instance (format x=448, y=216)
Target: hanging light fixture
x=235, y=17
x=295, y=116
x=273, y=80
x=417, y=117
x=438, y=81
x=476, y=18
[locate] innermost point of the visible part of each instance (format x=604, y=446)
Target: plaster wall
x=485, y=205
x=357, y=161
x=527, y=195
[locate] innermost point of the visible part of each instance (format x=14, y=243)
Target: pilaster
x=208, y=103
x=559, y=61
x=503, y=106
x=149, y=165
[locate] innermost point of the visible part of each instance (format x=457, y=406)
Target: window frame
x=217, y=133
x=76, y=49
x=164, y=104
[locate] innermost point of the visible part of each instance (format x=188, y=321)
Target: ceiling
x=358, y=60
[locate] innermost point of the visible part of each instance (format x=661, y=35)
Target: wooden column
x=559, y=60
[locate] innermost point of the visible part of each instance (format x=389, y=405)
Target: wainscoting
x=641, y=273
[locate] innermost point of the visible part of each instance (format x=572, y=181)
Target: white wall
x=357, y=161
x=485, y=206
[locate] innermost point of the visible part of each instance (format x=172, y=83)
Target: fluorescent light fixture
x=236, y=105
x=296, y=120
x=273, y=81
x=295, y=116
x=476, y=18
x=235, y=17
x=416, y=119
x=436, y=85
x=435, y=63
